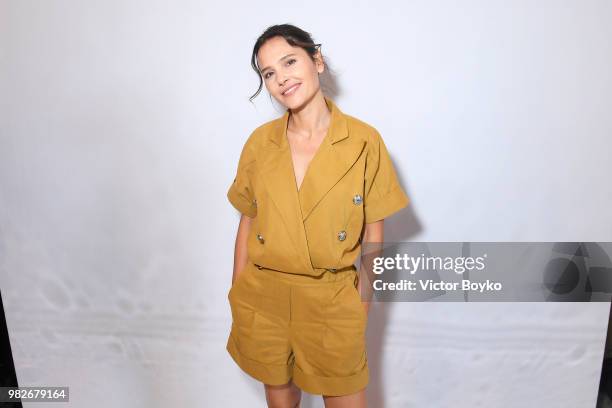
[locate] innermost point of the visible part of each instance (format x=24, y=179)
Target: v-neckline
x=317, y=153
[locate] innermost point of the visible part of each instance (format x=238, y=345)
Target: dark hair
x=295, y=36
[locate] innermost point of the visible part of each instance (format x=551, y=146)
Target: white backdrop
x=121, y=124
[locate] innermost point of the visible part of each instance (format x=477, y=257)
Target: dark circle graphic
x=561, y=276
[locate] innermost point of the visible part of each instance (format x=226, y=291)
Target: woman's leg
x=356, y=400
x=283, y=396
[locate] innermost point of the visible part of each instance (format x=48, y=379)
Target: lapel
x=335, y=156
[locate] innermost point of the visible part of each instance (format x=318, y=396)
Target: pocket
x=239, y=279
x=243, y=301
x=243, y=317
x=355, y=291
x=345, y=324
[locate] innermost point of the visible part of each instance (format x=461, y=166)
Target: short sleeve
x=240, y=193
x=383, y=194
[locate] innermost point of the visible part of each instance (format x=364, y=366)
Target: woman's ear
x=319, y=62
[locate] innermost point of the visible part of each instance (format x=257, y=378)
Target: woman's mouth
x=291, y=91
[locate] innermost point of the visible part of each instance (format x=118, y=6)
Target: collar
x=338, y=128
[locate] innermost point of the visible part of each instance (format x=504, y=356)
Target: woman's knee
x=283, y=396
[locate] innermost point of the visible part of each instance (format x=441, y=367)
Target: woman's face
x=288, y=72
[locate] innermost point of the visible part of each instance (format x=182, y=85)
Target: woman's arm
x=240, y=247
x=373, y=233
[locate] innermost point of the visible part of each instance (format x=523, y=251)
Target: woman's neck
x=311, y=118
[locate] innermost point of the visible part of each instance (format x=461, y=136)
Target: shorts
x=309, y=328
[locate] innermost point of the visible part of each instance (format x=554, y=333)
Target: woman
x=312, y=186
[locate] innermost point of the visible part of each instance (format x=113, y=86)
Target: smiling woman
x=312, y=186
x=291, y=58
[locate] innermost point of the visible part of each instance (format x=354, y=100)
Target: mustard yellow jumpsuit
x=296, y=309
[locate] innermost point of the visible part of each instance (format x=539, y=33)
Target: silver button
x=357, y=199
x=342, y=235
x=260, y=238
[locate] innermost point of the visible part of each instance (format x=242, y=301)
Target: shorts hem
x=331, y=386
x=266, y=373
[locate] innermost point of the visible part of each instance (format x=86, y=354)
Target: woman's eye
x=289, y=62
